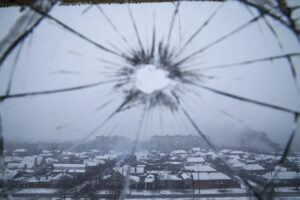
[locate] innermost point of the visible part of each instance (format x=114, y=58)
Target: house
x=179, y=154
x=150, y=182
x=138, y=169
x=141, y=156
x=198, y=168
x=60, y=177
x=113, y=182
x=211, y=155
x=14, y=166
x=169, y=181
x=253, y=168
x=236, y=157
x=208, y=180
x=9, y=174
x=173, y=166
x=51, y=160
x=225, y=151
x=195, y=160
x=196, y=149
x=20, y=152
x=12, y=159
x=108, y=156
x=67, y=167
x=30, y=162
x=40, y=182
x=239, y=153
x=133, y=170
x=74, y=169
x=284, y=178
x=93, y=162
x=134, y=182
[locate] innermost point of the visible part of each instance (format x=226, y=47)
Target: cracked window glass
x=149, y=99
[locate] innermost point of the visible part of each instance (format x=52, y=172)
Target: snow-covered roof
x=195, y=160
x=199, y=168
x=109, y=156
x=238, y=165
x=59, y=176
x=205, y=176
x=32, y=180
x=173, y=158
x=236, y=152
x=106, y=177
x=77, y=171
x=12, y=159
x=179, y=152
x=283, y=175
x=233, y=161
x=196, y=149
x=14, y=166
x=252, y=167
x=281, y=169
x=43, y=179
x=174, y=163
x=51, y=160
x=67, y=153
x=157, y=171
x=137, y=169
x=143, y=155
x=294, y=159
x=265, y=157
x=31, y=161
x=46, y=155
x=150, y=178
x=9, y=174
x=234, y=157
x=29, y=171
x=135, y=178
x=20, y=150
x=46, y=151
x=93, y=162
x=225, y=151
x=68, y=166
x=166, y=176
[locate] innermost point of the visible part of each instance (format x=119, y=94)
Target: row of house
x=180, y=169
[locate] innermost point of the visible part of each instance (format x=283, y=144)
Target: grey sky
x=70, y=116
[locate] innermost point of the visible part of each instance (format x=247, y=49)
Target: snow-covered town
x=191, y=172
x=150, y=99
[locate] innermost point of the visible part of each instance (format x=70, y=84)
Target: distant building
x=208, y=180
x=253, y=168
x=78, y=169
x=284, y=179
x=108, y=143
x=198, y=168
x=169, y=143
x=195, y=160
x=30, y=162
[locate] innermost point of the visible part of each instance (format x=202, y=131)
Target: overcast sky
x=53, y=58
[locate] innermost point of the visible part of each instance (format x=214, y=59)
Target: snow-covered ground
x=160, y=192
x=37, y=191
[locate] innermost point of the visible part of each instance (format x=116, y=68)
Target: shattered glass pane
x=183, y=99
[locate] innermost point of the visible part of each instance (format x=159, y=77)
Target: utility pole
x=192, y=184
x=198, y=182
